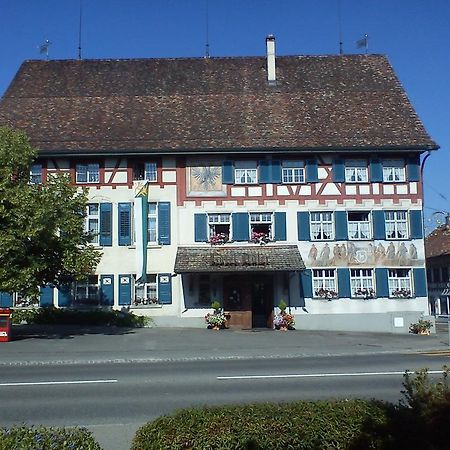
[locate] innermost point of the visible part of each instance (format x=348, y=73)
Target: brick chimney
x=270, y=46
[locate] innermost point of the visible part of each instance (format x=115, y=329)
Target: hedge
x=44, y=438
x=299, y=425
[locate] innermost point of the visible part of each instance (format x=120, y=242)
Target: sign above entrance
x=219, y=258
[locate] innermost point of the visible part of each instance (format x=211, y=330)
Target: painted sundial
x=206, y=178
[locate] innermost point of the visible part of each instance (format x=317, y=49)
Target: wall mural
x=365, y=254
x=205, y=179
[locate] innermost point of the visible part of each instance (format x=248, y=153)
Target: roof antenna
x=341, y=50
x=207, y=30
x=79, y=30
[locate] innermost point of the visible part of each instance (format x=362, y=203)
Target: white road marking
x=318, y=375
x=52, y=383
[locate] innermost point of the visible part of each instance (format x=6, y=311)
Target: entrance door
x=262, y=301
x=237, y=301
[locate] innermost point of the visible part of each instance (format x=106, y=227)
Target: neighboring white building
x=294, y=178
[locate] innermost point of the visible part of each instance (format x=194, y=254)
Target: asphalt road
x=114, y=399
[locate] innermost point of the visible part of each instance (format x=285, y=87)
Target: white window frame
x=92, y=217
x=151, y=171
x=356, y=174
x=393, y=224
x=146, y=294
x=400, y=283
x=91, y=289
x=152, y=217
x=324, y=283
x=359, y=230
x=394, y=172
x=36, y=174
x=261, y=218
x=322, y=225
x=362, y=283
x=245, y=172
x=222, y=219
x=293, y=172
x=87, y=173
x=21, y=301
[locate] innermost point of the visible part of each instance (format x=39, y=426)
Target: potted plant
x=325, y=293
x=422, y=326
x=260, y=238
x=218, y=239
x=217, y=319
x=283, y=321
x=401, y=293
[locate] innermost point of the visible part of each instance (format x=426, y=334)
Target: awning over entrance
x=268, y=258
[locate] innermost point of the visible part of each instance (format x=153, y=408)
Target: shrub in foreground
x=299, y=425
x=43, y=438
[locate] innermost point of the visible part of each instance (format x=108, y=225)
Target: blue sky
x=414, y=34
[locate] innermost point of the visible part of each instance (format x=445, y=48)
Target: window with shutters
x=36, y=174
x=261, y=227
x=293, y=172
x=86, y=292
x=22, y=301
x=359, y=225
x=152, y=223
x=399, y=282
x=322, y=226
x=394, y=171
x=245, y=172
x=126, y=235
x=146, y=294
x=356, y=172
x=361, y=283
x=396, y=224
x=324, y=283
x=219, y=228
x=87, y=173
x=92, y=221
x=147, y=171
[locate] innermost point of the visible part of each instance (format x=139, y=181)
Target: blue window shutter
x=264, y=175
x=343, y=276
x=415, y=224
x=106, y=224
x=201, y=227
x=228, y=172
x=306, y=284
x=5, y=300
x=420, y=282
x=124, y=289
x=312, y=173
x=276, y=171
x=376, y=171
x=64, y=295
x=46, y=296
x=124, y=224
x=240, y=222
x=338, y=171
x=379, y=224
x=381, y=279
x=303, y=226
x=340, y=218
x=164, y=223
x=280, y=226
x=413, y=168
x=107, y=289
x=165, y=288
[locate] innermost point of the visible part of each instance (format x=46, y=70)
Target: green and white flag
x=140, y=220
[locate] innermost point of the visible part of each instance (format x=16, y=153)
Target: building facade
x=243, y=180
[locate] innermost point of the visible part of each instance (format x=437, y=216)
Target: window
x=219, y=228
x=87, y=173
x=356, y=172
x=92, y=221
x=152, y=223
x=146, y=171
x=393, y=171
x=361, y=282
x=322, y=227
x=293, y=172
x=245, y=172
x=399, y=281
x=21, y=301
x=324, y=283
x=261, y=227
x=359, y=225
x=396, y=224
x=146, y=293
x=36, y=174
x=87, y=292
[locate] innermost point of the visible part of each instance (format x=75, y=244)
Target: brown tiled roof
x=437, y=243
x=204, y=104
x=269, y=258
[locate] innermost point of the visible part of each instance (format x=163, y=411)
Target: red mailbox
x=5, y=324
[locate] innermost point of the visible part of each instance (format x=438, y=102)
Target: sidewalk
x=74, y=345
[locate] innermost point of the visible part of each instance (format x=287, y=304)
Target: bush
x=58, y=316
x=299, y=425
x=43, y=438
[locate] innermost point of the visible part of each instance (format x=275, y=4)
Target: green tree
x=42, y=237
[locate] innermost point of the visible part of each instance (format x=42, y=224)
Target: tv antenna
x=207, y=30
x=79, y=29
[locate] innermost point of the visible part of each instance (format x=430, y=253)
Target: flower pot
x=283, y=328
x=424, y=332
x=216, y=328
